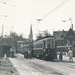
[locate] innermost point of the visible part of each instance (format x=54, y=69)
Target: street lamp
x=2, y=2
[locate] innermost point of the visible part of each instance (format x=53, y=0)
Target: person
x=60, y=56
x=12, y=52
x=70, y=54
x=26, y=52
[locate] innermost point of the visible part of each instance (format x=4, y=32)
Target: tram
x=45, y=48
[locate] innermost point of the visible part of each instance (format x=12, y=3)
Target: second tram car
x=28, y=50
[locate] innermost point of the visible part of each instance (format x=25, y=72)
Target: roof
x=60, y=34
x=44, y=38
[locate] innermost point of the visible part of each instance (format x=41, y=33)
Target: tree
x=16, y=38
x=39, y=36
x=42, y=35
x=46, y=33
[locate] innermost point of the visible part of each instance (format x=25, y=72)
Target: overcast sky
x=22, y=13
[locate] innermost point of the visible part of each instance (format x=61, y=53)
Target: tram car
x=28, y=50
x=45, y=48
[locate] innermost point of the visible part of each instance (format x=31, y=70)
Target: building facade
x=65, y=40
x=65, y=37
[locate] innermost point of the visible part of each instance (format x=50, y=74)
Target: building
x=6, y=42
x=67, y=36
x=65, y=39
x=31, y=34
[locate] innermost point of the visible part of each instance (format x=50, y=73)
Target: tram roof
x=44, y=38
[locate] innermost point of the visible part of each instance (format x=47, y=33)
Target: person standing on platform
x=12, y=52
x=26, y=52
x=70, y=54
x=29, y=53
x=60, y=56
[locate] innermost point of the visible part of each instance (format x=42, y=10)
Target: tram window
x=33, y=46
x=36, y=46
x=44, y=44
x=52, y=44
x=48, y=43
x=39, y=46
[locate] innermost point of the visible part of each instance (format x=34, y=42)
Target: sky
x=22, y=13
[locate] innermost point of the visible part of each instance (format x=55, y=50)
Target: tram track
x=42, y=68
x=68, y=65
x=65, y=64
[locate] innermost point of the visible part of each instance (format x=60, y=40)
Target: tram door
x=44, y=42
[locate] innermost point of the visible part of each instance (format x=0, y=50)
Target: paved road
x=42, y=67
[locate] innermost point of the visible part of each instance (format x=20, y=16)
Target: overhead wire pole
x=2, y=36
x=2, y=28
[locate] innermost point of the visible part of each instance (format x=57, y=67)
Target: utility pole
x=2, y=35
x=2, y=39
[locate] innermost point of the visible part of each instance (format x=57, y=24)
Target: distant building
x=65, y=37
x=7, y=40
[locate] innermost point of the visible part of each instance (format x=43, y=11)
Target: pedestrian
x=60, y=56
x=26, y=52
x=70, y=54
x=11, y=50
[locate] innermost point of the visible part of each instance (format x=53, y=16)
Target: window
x=44, y=42
x=33, y=46
x=52, y=43
x=48, y=43
x=39, y=46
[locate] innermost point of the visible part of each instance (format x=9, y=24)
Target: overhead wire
x=62, y=3
x=58, y=6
